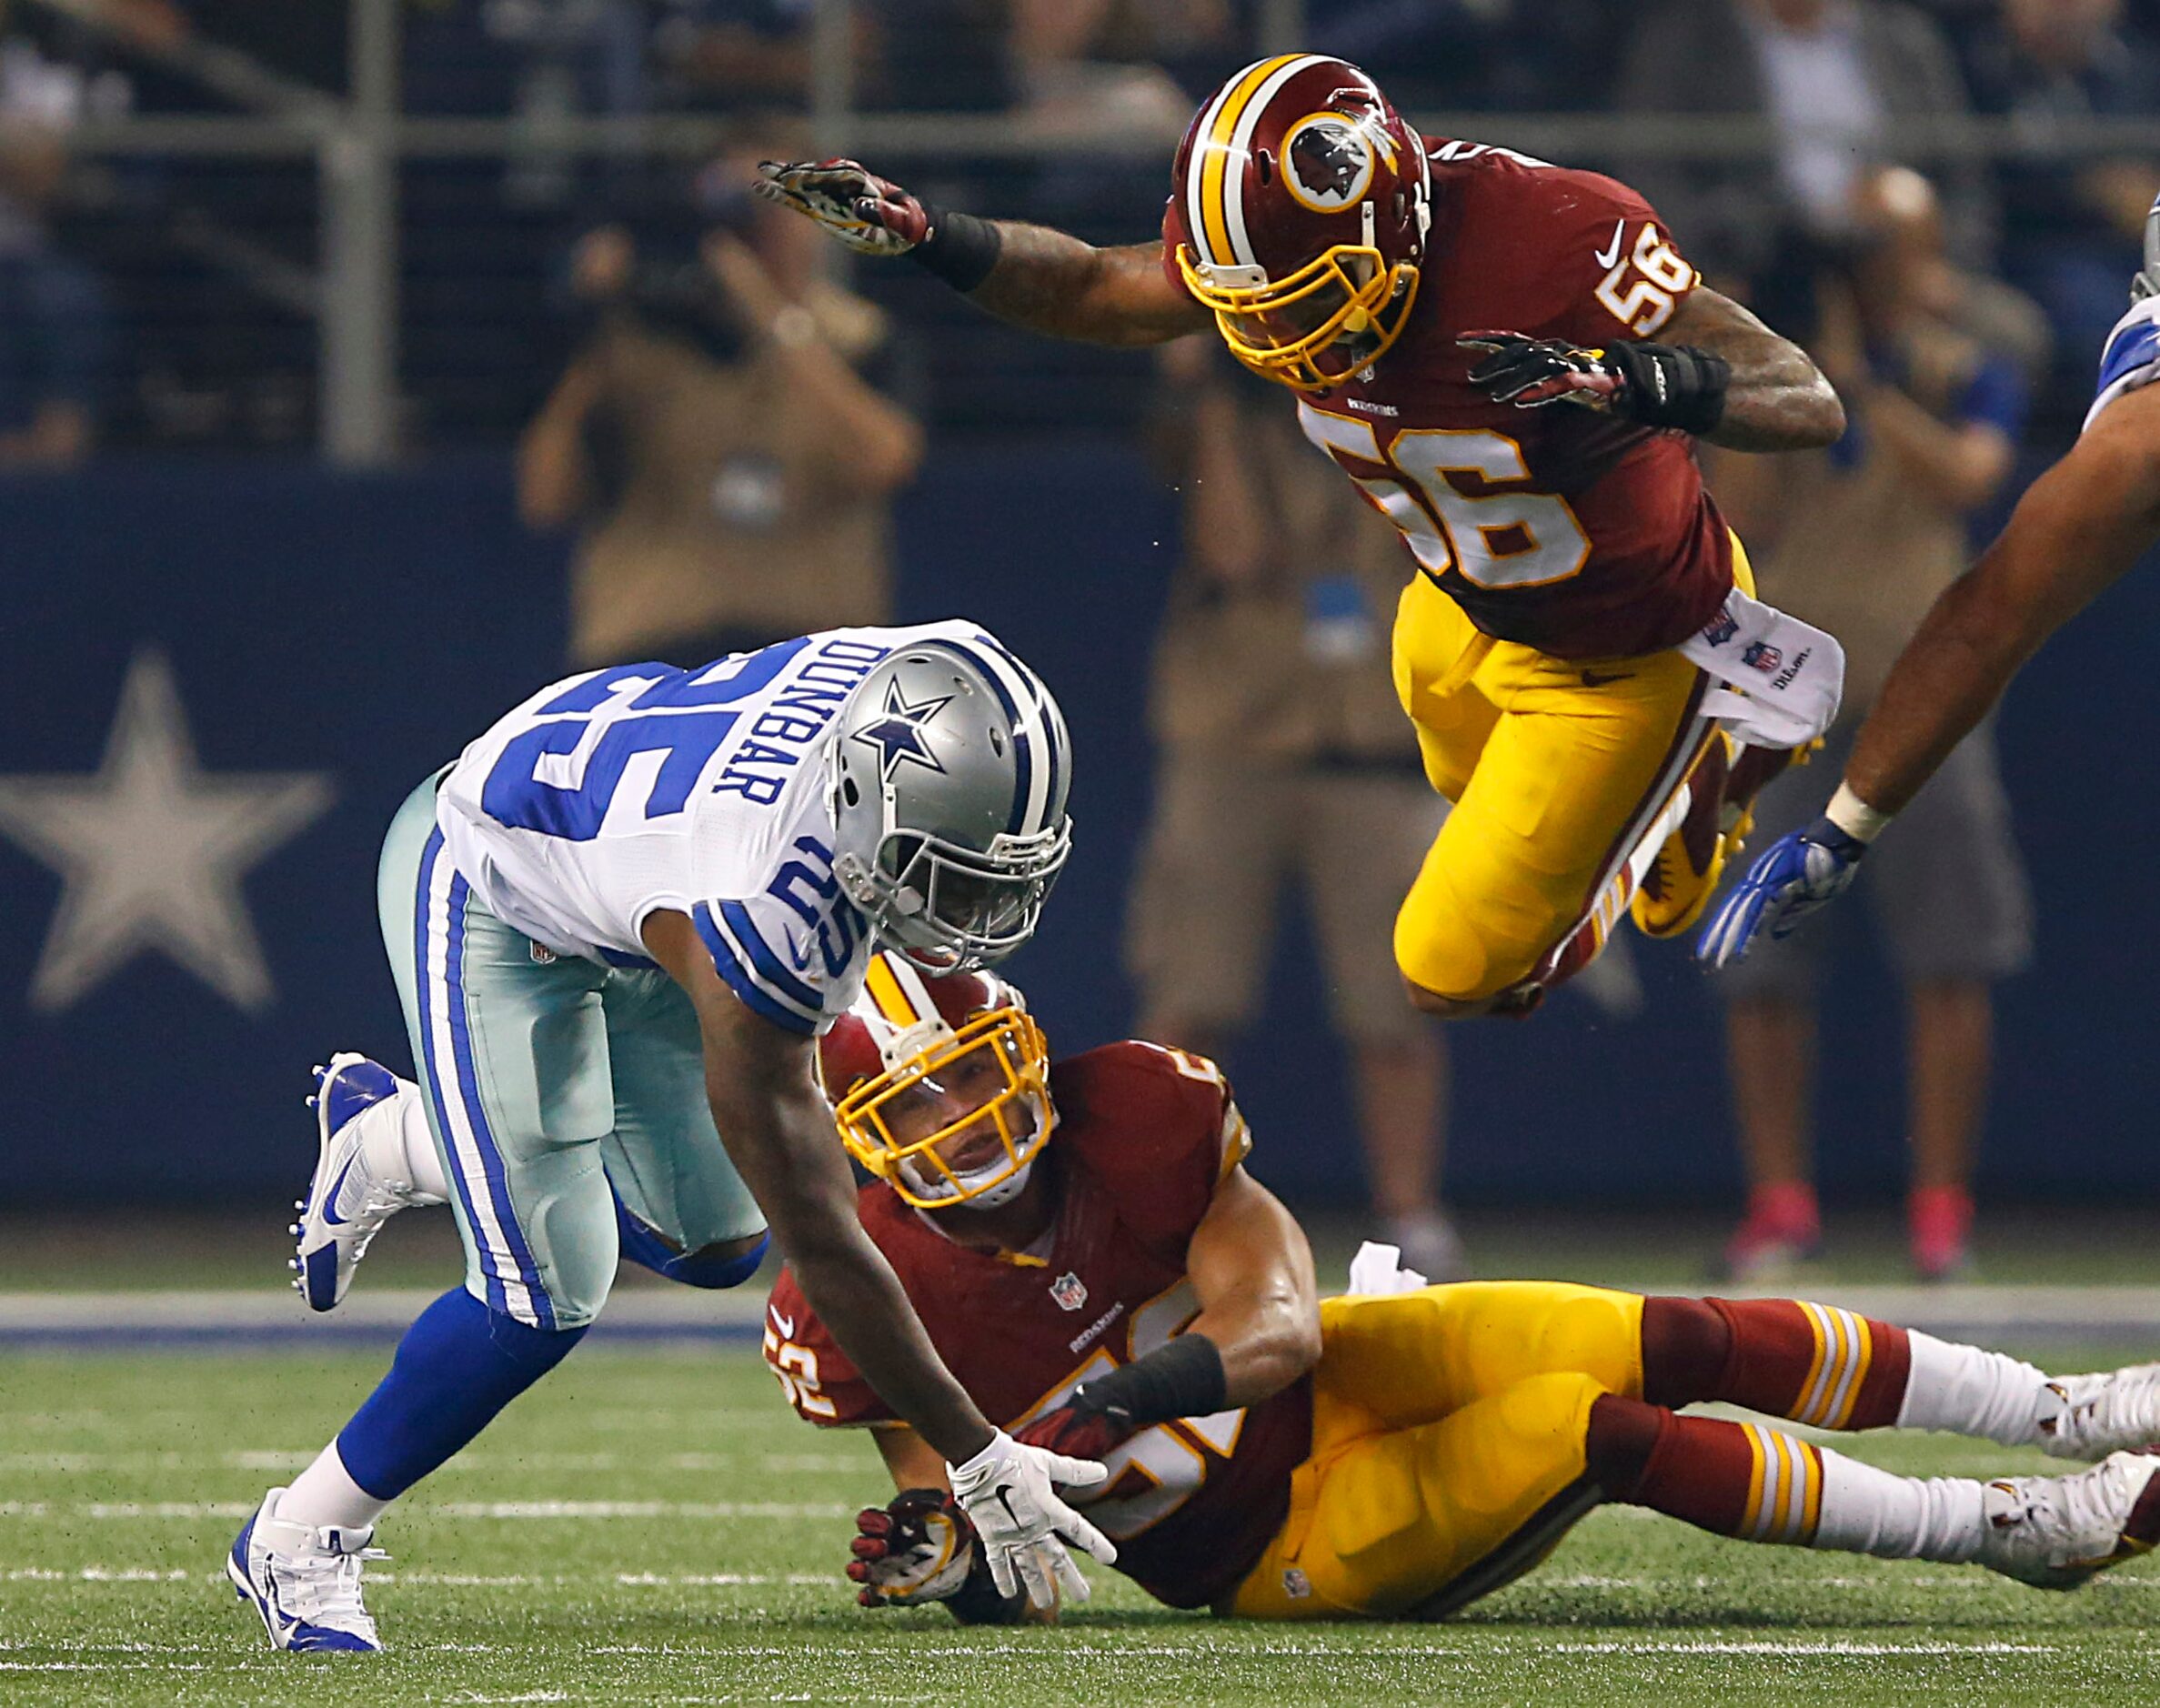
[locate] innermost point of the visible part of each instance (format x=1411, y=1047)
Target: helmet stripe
x=1241, y=144
x=1031, y=796
x=886, y=990
x=1211, y=230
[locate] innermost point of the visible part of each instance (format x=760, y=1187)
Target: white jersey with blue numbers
x=2132, y=357
x=611, y=794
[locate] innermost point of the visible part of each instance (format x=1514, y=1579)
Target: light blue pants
x=548, y=1078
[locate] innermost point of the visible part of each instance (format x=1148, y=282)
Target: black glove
x=1656, y=385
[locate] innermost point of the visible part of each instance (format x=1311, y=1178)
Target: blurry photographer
x=729, y=466
x=1860, y=538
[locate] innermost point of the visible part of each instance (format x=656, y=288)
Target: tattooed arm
x=1052, y=283
x=1776, y=399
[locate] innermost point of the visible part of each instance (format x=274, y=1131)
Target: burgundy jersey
x=1144, y=1135
x=1575, y=533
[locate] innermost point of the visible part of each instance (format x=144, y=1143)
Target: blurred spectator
x=55, y=318
x=1861, y=538
x=1832, y=75
x=1283, y=753
x=732, y=470
x=1481, y=56
x=2076, y=220
x=1101, y=68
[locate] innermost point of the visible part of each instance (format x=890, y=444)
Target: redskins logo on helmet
x=1299, y=215
x=940, y=1085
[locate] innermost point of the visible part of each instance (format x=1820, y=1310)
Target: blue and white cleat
x=357, y=1187
x=305, y=1581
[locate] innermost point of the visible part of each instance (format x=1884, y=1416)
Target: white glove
x=1006, y=1492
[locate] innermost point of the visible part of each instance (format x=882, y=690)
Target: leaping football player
x=2080, y=528
x=1093, y=1261
x=617, y=925
x=1512, y=360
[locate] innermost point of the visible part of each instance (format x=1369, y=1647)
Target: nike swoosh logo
x=784, y=1324
x=330, y=1213
x=1607, y=257
x=800, y=953
x=1598, y=678
x=1005, y=1500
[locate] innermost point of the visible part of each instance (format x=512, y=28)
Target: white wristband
x=1853, y=816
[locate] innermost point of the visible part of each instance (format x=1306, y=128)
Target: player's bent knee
x=724, y=1263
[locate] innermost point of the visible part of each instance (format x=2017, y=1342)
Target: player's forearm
x=854, y=1292
x=1252, y=1269
x=1266, y=1340
x=1052, y=283
x=1776, y=399
x=2085, y=523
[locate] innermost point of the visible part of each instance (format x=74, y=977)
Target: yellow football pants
x=1447, y=1429
x=1556, y=769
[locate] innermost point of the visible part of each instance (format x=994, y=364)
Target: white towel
x=1784, y=677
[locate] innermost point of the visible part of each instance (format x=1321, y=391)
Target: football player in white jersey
x=617, y=924
x=2079, y=528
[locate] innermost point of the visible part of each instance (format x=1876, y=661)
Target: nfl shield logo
x=1070, y=1292
x=1722, y=628
x=1763, y=656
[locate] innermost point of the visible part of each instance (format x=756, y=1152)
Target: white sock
x=326, y=1496
x=1867, y=1511
x=398, y=1145
x=1971, y=1392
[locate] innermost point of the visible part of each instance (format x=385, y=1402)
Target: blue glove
x=1794, y=875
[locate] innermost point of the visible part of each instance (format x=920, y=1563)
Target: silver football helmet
x=950, y=765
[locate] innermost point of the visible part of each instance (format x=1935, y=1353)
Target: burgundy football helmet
x=1298, y=216
x=940, y=1085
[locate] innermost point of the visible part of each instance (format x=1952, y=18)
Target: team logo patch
x=897, y=736
x=1762, y=657
x=1327, y=163
x=1070, y=1292
x=1295, y=1584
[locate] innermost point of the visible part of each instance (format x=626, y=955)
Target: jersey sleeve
x=1164, y=1131
x=820, y=1382
x=2132, y=358
x=792, y=954
x=1620, y=262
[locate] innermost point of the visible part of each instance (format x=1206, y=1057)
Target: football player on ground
x=2083, y=525
x=1512, y=360
x=617, y=925
x=1094, y=1263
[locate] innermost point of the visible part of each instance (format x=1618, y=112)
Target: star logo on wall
x=897, y=735
x=151, y=850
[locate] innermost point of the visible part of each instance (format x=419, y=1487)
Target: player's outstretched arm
x=1776, y=398
x=2085, y=522
x=779, y=1133
x=1036, y=277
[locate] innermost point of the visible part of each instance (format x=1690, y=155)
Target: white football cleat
x=2054, y=1533
x=303, y=1581
x=349, y=1200
x=2090, y=1417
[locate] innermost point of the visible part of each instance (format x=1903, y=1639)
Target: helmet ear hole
x=1264, y=162
x=849, y=792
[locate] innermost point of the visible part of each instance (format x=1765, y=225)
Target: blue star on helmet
x=897, y=735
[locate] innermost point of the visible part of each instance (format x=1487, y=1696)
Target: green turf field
x=654, y=1528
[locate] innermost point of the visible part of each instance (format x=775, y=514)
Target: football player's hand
x=1795, y=874
x=1079, y=1429
x=1658, y=385
x=1010, y=1492
x=1531, y=372
x=864, y=212
x=918, y=1548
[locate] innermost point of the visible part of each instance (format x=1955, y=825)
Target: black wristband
x=958, y=248
x=1184, y=1379
x=1673, y=384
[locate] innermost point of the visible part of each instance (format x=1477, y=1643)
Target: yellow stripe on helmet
x=886, y=990
x=1214, y=167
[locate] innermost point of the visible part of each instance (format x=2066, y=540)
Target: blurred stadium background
x=302, y=272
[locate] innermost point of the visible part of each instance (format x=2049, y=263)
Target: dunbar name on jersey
x=611, y=794
x=1144, y=1136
